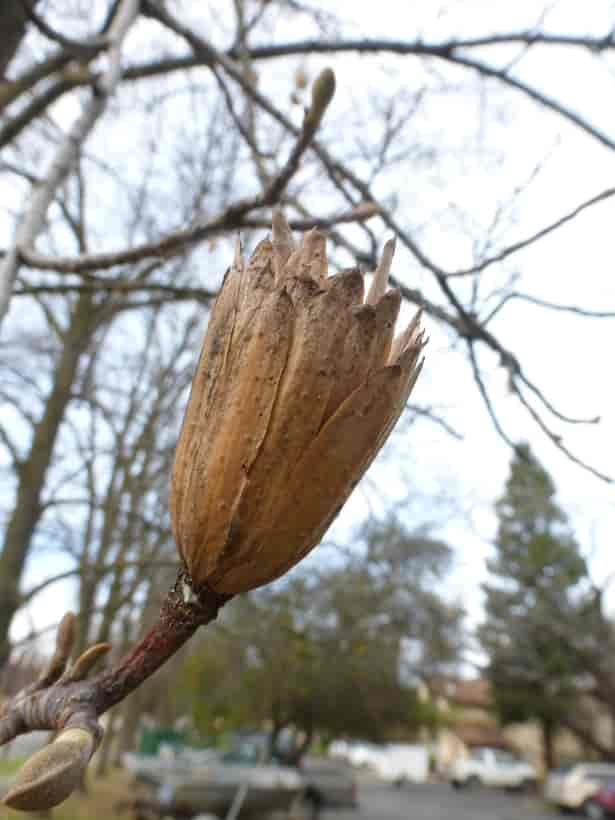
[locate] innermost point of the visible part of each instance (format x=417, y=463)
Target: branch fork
x=65, y=701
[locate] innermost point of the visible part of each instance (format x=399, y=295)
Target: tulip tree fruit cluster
x=300, y=381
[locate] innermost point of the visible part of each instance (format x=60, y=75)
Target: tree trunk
x=87, y=595
x=273, y=739
x=548, y=743
x=104, y=753
x=33, y=470
x=587, y=737
x=131, y=716
x=14, y=23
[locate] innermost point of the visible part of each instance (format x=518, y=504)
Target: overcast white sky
x=571, y=358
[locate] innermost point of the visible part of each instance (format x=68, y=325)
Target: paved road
x=440, y=802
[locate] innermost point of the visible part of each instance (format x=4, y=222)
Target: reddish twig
x=63, y=701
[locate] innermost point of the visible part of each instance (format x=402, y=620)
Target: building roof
x=477, y=735
x=463, y=692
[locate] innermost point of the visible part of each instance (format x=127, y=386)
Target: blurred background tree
x=340, y=652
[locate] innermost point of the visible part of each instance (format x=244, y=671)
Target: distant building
x=469, y=721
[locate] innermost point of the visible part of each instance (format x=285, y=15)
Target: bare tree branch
x=443, y=48
x=67, y=153
x=530, y=240
x=177, y=242
x=77, y=48
x=98, y=570
x=534, y=300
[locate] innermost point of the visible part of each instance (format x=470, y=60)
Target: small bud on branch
x=322, y=94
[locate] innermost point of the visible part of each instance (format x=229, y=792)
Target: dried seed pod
x=299, y=384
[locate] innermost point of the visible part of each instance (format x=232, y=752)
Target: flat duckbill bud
x=299, y=383
x=53, y=773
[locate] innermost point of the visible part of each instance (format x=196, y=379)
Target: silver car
x=329, y=784
x=185, y=788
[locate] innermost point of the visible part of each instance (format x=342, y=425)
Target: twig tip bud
x=322, y=94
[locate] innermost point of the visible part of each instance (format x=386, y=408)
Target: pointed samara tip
x=313, y=250
x=409, y=337
x=280, y=227
x=282, y=241
x=238, y=257
x=382, y=272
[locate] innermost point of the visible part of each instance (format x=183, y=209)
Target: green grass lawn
x=8, y=767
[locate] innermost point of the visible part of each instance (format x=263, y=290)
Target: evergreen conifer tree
x=537, y=575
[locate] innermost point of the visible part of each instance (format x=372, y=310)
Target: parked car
x=183, y=789
x=602, y=804
x=329, y=784
x=573, y=787
x=484, y=766
x=189, y=783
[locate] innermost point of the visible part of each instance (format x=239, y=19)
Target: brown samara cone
x=299, y=383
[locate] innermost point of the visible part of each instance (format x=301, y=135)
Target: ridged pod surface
x=299, y=383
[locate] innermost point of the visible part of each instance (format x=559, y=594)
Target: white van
x=400, y=763
x=484, y=766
